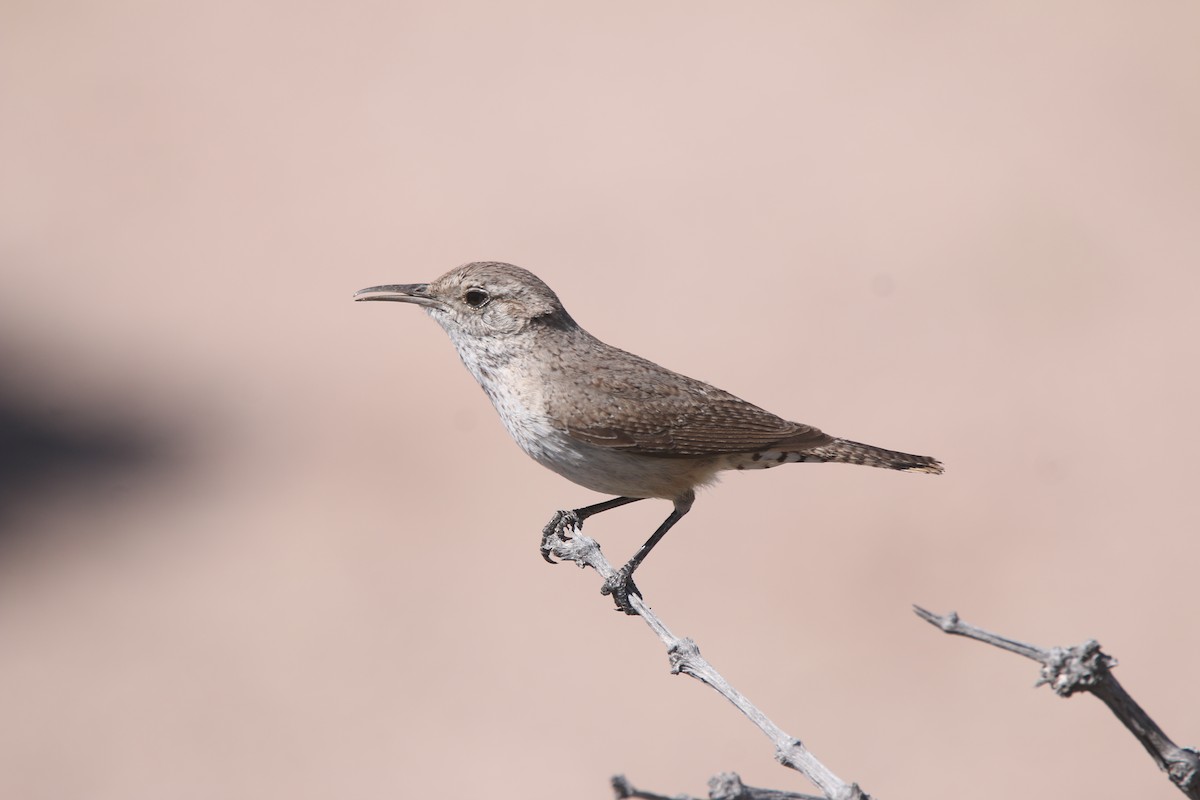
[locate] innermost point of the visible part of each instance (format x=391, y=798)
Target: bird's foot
x=557, y=530
x=621, y=586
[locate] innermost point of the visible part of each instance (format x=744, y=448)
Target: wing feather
x=625, y=402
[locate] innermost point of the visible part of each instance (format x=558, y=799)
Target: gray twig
x=726, y=786
x=685, y=658
x=1084, y=668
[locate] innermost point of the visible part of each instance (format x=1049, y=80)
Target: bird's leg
x=621, y=585
x=565, y=521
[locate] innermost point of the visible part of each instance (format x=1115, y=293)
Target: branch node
x=1183, y=767
x=786, y=751
x=855, y=793
x=726, y=786
x=683, y=654
x=947, y=622
x=1075, y=669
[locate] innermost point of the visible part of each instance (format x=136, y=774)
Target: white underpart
x=517, y=397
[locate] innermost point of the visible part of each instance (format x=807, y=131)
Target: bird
x=604, y=418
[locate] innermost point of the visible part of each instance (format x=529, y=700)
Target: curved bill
x=398, y=293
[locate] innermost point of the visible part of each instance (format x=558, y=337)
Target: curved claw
x=557, y=528
x=620, y=586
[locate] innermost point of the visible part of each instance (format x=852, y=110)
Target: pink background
x=970, y=232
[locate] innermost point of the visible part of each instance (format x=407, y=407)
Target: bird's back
x=608, y=397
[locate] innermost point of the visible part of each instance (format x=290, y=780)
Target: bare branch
x=623, y=790
x=729, y=786
x=726, y=786
x=685, y=658
x=1084, y=668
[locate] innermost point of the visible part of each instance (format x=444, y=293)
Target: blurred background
x=257, y=540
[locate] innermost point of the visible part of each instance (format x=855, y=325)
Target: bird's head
x=483, y=299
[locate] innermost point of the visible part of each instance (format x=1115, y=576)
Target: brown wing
x=627, y=403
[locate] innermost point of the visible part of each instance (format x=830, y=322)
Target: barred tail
x=848, y=452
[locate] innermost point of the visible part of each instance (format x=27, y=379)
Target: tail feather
x=848, y=452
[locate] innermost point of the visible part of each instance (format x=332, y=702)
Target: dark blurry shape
x=53, y=447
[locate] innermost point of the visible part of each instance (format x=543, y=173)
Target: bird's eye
x=476, y=297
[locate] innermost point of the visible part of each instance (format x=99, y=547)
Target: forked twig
x=1084, y=668
x=726, y=786
x=685, y=658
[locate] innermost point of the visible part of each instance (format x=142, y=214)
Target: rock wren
x=604, y=418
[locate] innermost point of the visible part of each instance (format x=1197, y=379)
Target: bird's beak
x=398, y=293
